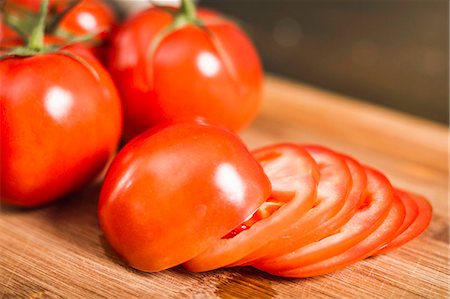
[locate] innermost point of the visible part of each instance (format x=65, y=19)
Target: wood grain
x=58, y=251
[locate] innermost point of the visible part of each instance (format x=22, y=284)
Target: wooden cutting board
x=58, y=251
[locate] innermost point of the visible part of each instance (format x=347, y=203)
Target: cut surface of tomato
x=418, y=217
x=384, y=233
x=332, y=190
x=293, y=175
x=371, y=213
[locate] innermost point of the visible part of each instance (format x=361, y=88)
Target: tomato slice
x=371, y=213
x=418, y=217
x=353, y=202
x=332, y=190
x=293, y=175
x=384, y=233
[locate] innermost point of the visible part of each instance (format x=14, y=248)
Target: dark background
x=393, y=53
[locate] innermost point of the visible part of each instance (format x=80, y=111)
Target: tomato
x=371, y=213
x=176, y=190
x=87, y=16
x=418, y=217
x=293, y=174
x=57, y=131
x=365, y=248
x=332, y=190
x=166, y=71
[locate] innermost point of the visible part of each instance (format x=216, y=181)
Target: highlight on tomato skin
x=175, y=190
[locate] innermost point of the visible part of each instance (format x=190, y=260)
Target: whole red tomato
x=183, y=65
x=87, y=16
x=174, y=191
x=60, y=124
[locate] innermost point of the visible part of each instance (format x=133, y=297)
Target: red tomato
x=293, y=174
x=60, y=123
x=371, y=213
x=87, y=16
x=418, y=217
x=211, y=72
x=384, y=233
x=332, y=190
x=174, y=191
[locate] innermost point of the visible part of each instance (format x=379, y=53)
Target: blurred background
x=393, y=53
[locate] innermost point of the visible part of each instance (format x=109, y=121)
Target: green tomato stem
x=188, y=10
x=36, y=40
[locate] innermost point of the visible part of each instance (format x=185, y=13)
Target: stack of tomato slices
x=287, y=209
x=326, y=211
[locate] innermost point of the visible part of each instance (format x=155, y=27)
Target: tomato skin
x=212, y=73
x=173, y=191
x=57, y=131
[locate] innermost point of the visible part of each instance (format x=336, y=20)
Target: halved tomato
x=384, y=233
x=173, y=191
x=293, y=175
x=417, y=219
x=371, y=213
x=332, y=190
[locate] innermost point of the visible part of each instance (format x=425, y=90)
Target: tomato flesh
x=264, y=211
x=365, y=220
x=418, y=217
x=332, y=189
x=353, y=202
x=365, y=248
